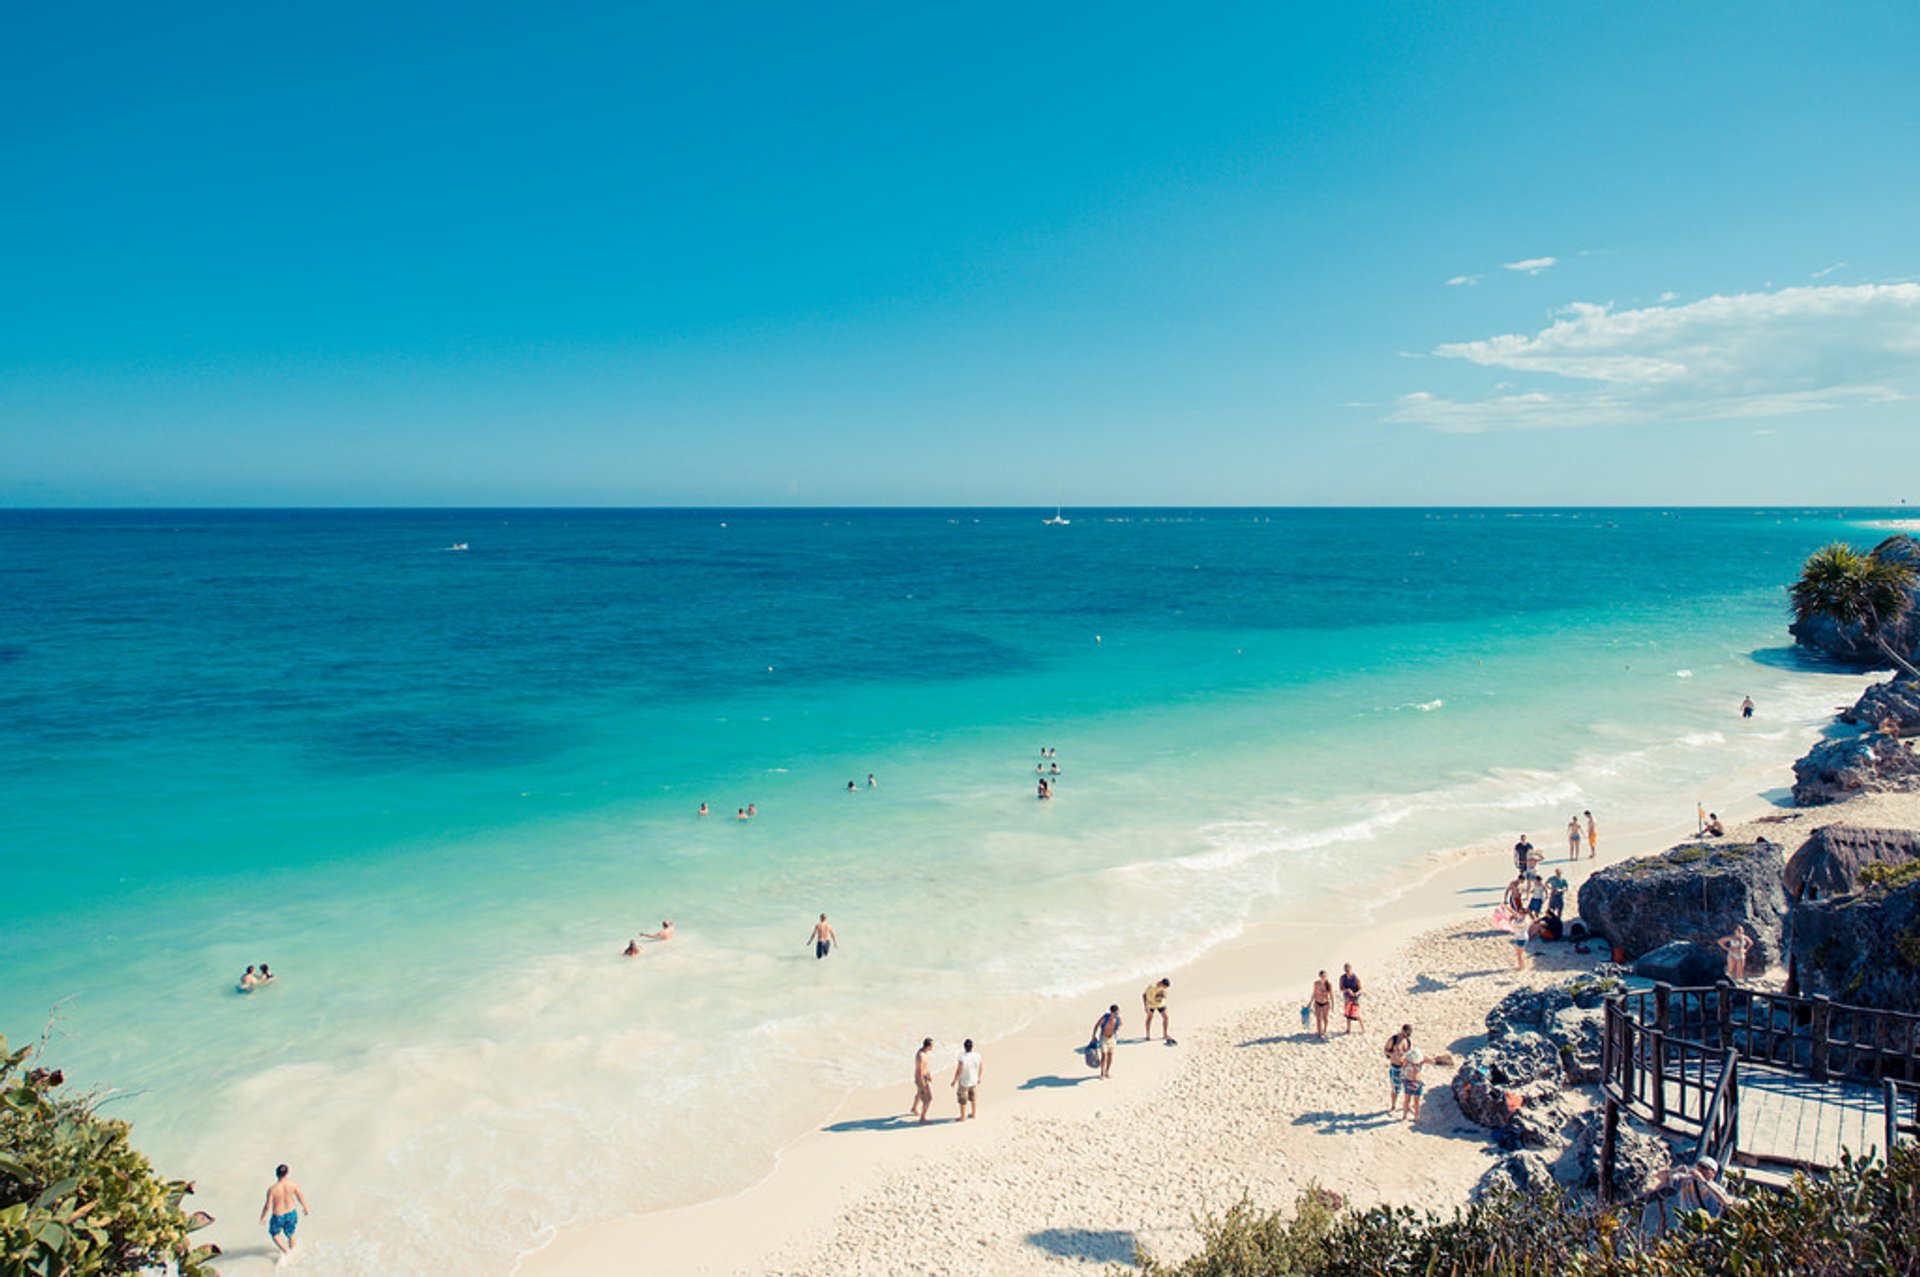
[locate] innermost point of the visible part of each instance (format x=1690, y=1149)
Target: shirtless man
x=278, y=1212
x=823, y=939
x=665, y=932
x=1154, y=1002
x=1396, y=1052
x=922, y=1083
x=1105, y=1030
x=1322, y=1003
x=1593, y=836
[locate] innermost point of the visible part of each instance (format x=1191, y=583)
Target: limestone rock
x=1697, y=891
x=1525, y=1172
x=1895, y=702
x=1851, y=645
x=1829, y=862
x=1683, y=962
x=1492, y=1083
x=1638, y=1158
x=1863, y=948
x=1847, y=765
x=1580, y=1035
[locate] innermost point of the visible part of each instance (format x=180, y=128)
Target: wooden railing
x=1672, y=1057
x=1816, y=1036
x=1720, y=1128
x=1903, y=1113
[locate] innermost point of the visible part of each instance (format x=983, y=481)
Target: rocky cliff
x=1869, y=763
x=1863, y=948
x=1850, y=645
x=1696, y=892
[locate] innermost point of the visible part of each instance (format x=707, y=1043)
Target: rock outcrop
x=1683, y=962
x=1830, y=861
x=1695, y=892
x=1867, y=763
x=1639, y=1159
x=1538, y=1041
x=1863, y=948
x=1851, y=645
x=1895, y=703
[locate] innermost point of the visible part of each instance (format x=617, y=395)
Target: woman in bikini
x=1322, y=1003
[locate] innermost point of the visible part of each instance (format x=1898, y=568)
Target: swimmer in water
x=248, y=981
x=665, y=932
x=752, y=811
x=1053, y=769
x=849, y=787
x=266, y=976
x=703, y=809
x=741, y=814
x=632, y=950
x=871, y=782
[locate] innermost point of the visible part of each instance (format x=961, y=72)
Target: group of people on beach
x=967, y=1072
x=1320, y=1001
x=1532, y=908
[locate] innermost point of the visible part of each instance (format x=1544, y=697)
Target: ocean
x=438, y=767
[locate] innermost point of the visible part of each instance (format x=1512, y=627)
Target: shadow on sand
x=1053, y=1081
x=1100, y=1246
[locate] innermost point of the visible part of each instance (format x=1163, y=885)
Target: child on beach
x=1411, y=1087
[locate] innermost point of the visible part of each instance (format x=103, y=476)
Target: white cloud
x=1669, y=295
x=1758, y=354
x=1531, y=265
x=1822, y=274
x=1458, y=280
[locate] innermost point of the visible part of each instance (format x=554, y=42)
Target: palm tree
x=1849, y=588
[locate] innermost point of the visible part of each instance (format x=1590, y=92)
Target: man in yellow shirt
x=1155, y=1001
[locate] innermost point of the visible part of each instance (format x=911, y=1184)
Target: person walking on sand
x=1106, y=1029
x=823, y=939
x=1350, y=997
x=1736, y=943
x=1523, y=857
x=967, y=1071
x=922, y=1083
x=1154, y=1002
x=1557, y=894
x=1396, y=1052
x=1593, y=836
x=1322, y=1003
x=280, y=1213
x=1573, y=838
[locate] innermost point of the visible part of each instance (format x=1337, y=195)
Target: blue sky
x=734, y=254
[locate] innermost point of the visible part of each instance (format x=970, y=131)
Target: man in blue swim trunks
x=823, y=938
x=279, y=1213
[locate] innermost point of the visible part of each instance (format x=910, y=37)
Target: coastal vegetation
x=1869, y=591
x=76, y=1198
x=1864, y=1219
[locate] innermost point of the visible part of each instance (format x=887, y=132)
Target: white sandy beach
x=1063, y=1172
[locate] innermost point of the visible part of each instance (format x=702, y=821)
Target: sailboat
x=1058, y=518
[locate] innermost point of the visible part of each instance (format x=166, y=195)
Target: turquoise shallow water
x=439, y=789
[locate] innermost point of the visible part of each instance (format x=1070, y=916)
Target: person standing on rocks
x=966, y=1080
x=1737, y=943
x=1322, y=1000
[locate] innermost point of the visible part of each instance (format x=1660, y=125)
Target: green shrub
x=1864, y=1219
x=1888, y=877
x=76, y=1198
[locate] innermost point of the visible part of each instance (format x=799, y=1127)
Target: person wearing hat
x=1684, y=1189
x=1411, y=1087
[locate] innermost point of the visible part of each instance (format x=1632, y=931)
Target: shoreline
x=844, y=1173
